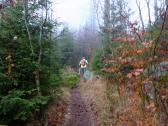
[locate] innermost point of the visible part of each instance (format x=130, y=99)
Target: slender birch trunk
x=149, y=15
x=25, y=2
x=140, y=15
x=37, y=76
x=156, y=9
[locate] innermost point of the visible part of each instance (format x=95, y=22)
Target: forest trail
x=77, y=112
x=88, y=104
x=94, y=103
x=98, y=103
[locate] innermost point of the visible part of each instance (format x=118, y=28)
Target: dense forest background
x=31, y=57
x=39, y=55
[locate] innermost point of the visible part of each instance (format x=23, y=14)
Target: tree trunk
x=166, y=2
x=37, y=79
x=149, y=15
x=107, y=19
x=40, y=44
x=37, y=75
x=25, y=4
x=156, y=9
x=140, y=14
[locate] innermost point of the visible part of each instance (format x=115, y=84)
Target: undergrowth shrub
x=97, y=64
x=55, y=80
x=69, y=77
x=20, y=106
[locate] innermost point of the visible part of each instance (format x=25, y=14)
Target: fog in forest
x=83, y=62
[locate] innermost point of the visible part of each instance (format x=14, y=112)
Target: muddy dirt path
x=77, y=112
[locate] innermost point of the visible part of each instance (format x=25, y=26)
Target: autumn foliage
x=135, y=69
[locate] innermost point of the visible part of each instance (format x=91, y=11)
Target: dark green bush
x=69, y=77
x=20, y=106
x=19, y=99
x=55, y=80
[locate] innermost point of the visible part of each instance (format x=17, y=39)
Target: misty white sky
x=75, y=13
x=134, y=8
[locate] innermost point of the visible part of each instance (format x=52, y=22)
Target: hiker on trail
x=83, y=66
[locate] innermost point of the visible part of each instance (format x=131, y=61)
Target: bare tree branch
x=156, y=9
x=149, y=15
x=140, y=14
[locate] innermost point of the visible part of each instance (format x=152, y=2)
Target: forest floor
x=77, y=112
x=98, y=103
x=88, y=104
